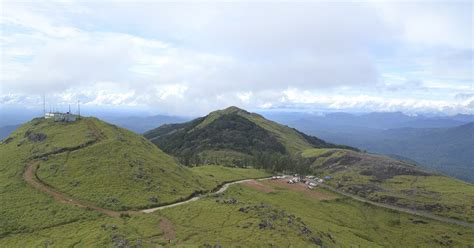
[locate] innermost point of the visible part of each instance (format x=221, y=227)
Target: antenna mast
x=79, y=108
x=44, y=105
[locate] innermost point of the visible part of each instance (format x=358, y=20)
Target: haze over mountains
x=444, y=144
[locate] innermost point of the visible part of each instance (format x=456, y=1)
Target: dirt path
x=30, y=177
x=221, y=190
x=400, y=209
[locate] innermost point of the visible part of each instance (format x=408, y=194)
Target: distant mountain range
x=444, y=144
x=375, y=120
x=140, y=124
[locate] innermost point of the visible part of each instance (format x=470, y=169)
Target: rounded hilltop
x=101, y=163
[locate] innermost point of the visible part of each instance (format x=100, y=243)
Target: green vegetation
x=23, y=208
x=251, y=218
x=119, y=170
x=235, y=137
x=110, y=167
x=385, y=180
x=96, y=162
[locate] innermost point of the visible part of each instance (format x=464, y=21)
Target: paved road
x=400, y=209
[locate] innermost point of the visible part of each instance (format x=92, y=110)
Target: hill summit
x=233, y=136
x=100, y=163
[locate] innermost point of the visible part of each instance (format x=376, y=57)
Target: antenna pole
x=79, y=108
x=44, y=105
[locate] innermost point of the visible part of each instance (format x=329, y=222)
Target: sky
x=189, y=58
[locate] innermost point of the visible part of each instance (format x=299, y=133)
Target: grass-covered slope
x=246, y=216
x=23, y=208
x=233, y=133
x=100, y=163
x=385, y=180
x=93, y=162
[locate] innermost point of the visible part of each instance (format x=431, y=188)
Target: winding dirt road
x=31, y=178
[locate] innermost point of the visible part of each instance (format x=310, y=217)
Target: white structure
x=58, y=116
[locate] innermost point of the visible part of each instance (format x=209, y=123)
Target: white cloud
x=366, y=102
x=192, y=58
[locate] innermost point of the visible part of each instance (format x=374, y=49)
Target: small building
x=58, y=116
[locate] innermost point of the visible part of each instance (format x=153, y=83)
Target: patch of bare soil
x=302, y=188
x=168, y=230
x=258, y=186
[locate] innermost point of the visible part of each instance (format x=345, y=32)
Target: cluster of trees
x=231, y=132
x=262, y=160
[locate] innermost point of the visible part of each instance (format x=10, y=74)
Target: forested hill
x=233, y=135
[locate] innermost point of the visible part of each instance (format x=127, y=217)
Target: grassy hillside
x=100, y=163
x=255, y=214
x=382, y=179
x=94, y=162
x=281, y=217
x=23, y=208
x=234, y=133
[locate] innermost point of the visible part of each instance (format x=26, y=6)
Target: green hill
x=232, y=137
x=100, y=163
